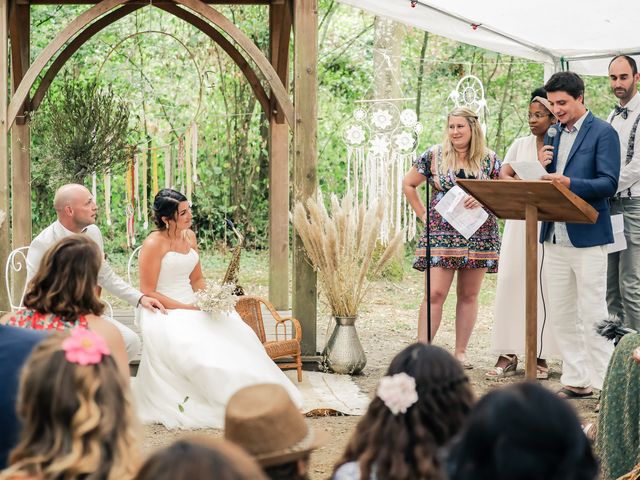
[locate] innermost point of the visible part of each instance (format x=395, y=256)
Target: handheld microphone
x=550, y=135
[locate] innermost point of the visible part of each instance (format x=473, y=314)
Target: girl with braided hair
x=420, y=405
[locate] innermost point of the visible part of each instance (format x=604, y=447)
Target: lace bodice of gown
x=173, y=280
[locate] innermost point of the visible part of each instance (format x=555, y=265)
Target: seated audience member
x=522, y=432
x=63, y=294
x=15, y=346
x=200, y=458
x=76, y=414
x=618, y=428
x=263, y=420
x=420, y=405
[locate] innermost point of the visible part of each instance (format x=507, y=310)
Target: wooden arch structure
x=269, y=81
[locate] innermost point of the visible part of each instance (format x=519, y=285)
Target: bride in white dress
x=192, y=361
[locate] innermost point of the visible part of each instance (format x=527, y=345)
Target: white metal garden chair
x=16, y=263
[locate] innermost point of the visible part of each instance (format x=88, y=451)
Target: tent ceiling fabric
x=586, y=33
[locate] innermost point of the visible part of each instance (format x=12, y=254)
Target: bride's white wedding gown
x=193, y=361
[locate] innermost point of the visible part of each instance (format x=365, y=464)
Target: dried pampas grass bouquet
x=340, y=246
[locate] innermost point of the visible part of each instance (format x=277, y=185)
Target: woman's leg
x=441, y=279
x=469, y=283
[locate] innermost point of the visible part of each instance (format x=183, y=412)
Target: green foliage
x=162, y=75
x=82, y=130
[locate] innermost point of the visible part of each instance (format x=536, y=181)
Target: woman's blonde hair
x=66, y=282
x=78, y=421
x=477, y=147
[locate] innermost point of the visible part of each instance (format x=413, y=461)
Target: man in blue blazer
x=584, y=157
x=15, y=346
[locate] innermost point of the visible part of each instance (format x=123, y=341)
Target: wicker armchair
x=249, y=308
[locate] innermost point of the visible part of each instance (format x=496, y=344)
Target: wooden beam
x=80, y=22
x=5, y=246
x=20, y=139
x=142, y=3
x=227, y=46
x=277, y=88
x=278, y=171
x=73, y=47
x=305, y=293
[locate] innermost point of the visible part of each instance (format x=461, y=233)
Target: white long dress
x=508, y=333
x=193, y=361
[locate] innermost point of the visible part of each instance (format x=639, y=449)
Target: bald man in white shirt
x=76, y=210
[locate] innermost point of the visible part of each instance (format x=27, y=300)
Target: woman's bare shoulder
x=193, y=240
x=155, y=242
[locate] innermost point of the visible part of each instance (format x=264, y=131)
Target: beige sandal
x=507, y=371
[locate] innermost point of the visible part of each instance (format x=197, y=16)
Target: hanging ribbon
x=145, y=195
x=187, y=161
x=154, y=171
x=130, y=206
x=136, y=184
x=167, y=167
x=179, y=181
x=107, y=196
x=94, y=187
x=194, y=152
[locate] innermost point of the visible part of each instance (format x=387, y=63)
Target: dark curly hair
x=165, y=204
x=523, y=431
x=405, y=446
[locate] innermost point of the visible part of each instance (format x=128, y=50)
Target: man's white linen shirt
x=629, y=173
x=107, y=278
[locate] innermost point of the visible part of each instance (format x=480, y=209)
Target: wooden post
x=20, y=138
x=305, y=160
x=531, y=286
x=4, y=159
x=280, y=31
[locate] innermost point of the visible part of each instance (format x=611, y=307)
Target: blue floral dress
x=449, y=249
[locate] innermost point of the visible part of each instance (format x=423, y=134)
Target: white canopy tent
x=581, y=36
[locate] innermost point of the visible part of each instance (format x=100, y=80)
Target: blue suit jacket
x=593, y=167
x=15, y=346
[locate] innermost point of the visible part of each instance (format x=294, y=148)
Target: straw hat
x=263, y=420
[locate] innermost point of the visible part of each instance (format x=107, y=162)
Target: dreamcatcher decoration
x=381, y=143
x=176, y=161
x=469, y=92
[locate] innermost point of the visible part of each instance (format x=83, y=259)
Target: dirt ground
x=387, y=324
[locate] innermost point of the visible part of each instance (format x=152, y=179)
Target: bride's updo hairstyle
x=166, y=205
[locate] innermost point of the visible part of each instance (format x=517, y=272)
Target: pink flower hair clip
x=398, y=392
x=84, y=347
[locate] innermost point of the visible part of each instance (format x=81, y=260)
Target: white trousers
x=131, y=339
x=576, y=281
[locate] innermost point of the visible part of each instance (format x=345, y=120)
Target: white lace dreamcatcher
x=381, y=143
x=469, y=92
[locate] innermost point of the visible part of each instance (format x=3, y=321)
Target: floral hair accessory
x=398, y=392
x=84, y=347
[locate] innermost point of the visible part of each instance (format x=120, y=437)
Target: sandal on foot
x=507, y=371
x=571, y=395
x=590, y=430
x=542, y=373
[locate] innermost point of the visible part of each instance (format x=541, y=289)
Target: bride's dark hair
x=166, y=205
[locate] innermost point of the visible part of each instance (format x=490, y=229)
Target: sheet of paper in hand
x=528, y=170
x=619, y=240
x=464, y=220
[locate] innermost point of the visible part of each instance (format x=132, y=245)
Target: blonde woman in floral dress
x=462, y=154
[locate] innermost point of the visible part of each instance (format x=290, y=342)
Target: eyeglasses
x=537, y=116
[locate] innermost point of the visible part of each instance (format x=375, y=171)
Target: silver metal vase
x=344, y=353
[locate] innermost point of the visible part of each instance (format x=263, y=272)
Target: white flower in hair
x=398, y=392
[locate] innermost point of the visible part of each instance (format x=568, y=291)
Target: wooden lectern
x=530, y=201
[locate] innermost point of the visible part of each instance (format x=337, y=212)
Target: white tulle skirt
x=193, y=362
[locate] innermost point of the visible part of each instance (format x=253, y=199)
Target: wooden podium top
x=508, y=199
